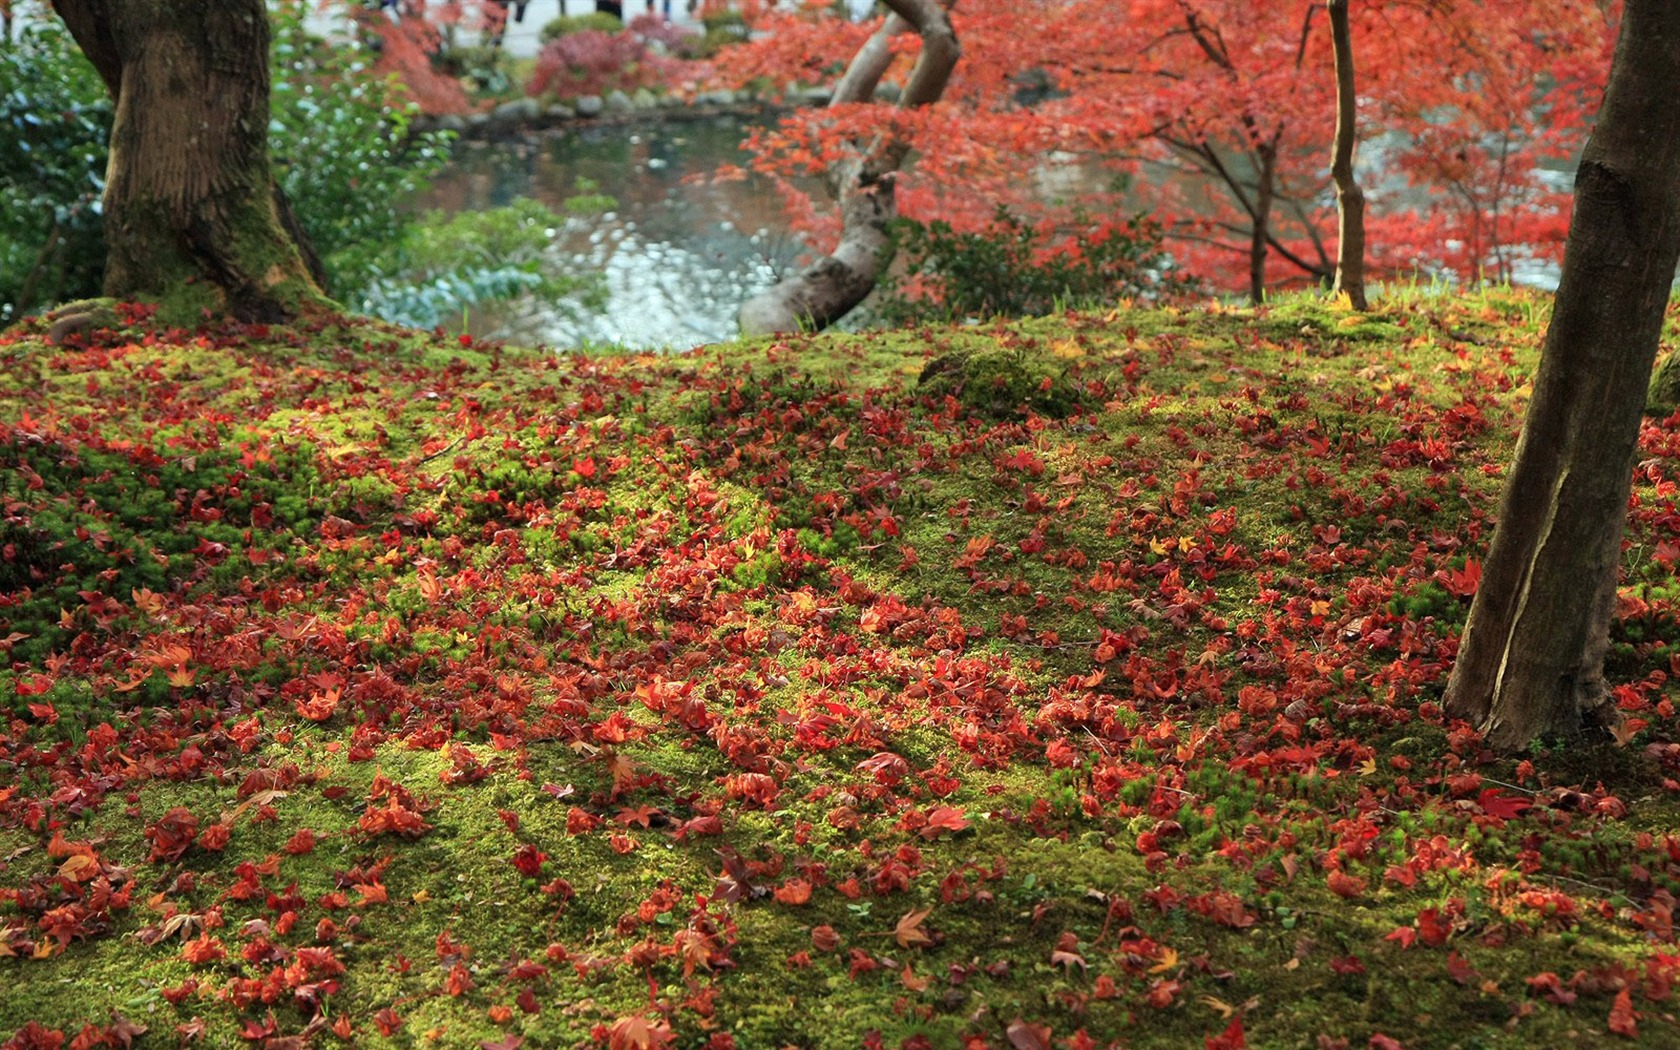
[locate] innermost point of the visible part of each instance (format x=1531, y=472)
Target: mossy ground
x=1113, y=641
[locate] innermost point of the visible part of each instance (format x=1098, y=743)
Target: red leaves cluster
x=172, y=835
x=392, y=809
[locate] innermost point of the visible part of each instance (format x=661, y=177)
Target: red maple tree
x=1217, y=116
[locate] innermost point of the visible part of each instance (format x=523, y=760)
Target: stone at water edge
x=590, y=106
x=619, y=102
x=518, y=111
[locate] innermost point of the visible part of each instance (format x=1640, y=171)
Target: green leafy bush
x=346, y=152
x=1015, y=269
x=566, y=25
x=55, y=120
x=722, y=28
x=448, y=263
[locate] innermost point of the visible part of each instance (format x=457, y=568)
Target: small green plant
x=1015, y=269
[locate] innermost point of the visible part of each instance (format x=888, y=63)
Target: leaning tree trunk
x=1531, y=661
x=190, y=213
x=828, y=289
x=1350, y=199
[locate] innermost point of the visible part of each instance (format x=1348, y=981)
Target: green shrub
x=55, y=121
x=566, y=25
x=485, y=66
x=1014, y=269
x=448, y=263
x=345, y=152
x=722, y=28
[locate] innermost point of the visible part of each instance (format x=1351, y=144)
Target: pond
x=679, y=252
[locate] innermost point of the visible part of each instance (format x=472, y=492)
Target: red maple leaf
x=1230, y=1039
x=1623, y=1020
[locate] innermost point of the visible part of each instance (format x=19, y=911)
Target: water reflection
x=680, y=254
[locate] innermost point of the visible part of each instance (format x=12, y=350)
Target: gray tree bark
x=831, y=287
x=1531, y=661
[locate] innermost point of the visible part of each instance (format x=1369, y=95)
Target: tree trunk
x=828, y=289
x=1350, y=199
x=190, y=213
x=1531, y=661
x=1263, y=193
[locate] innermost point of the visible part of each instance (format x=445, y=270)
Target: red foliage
x=592, y=62
x=172, y=835
x=413, y=37
x=1462, y=104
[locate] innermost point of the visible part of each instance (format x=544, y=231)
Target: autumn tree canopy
x=1218, y=117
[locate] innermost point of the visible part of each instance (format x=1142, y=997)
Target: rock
x=590, y=106
x=619, y=102
x=477, y=120
x=519, y=111
x=560, y=113
x=888, y=92
x=449, y=122
x=644, y=99
x=723, y=97
x=816, y=96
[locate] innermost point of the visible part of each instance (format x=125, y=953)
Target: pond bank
x=524, y=116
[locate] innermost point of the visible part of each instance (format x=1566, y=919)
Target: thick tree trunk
x=828, y=289
x=1531, y=661
x=1350, y=199
x=190, y=212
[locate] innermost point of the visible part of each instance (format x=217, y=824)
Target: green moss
x=526, y=557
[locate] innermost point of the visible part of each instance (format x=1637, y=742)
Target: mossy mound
x=1000, y=383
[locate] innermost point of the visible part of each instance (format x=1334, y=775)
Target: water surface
x=680, y=252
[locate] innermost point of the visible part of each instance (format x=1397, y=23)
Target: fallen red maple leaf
x=1231, y=1038
x=1623, y=1020
x=943, y=818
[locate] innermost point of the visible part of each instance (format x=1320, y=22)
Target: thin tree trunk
x=1531, y=661
x=1350, y=199
x=832, y=286
x=190, y=208
x=1263, y=191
